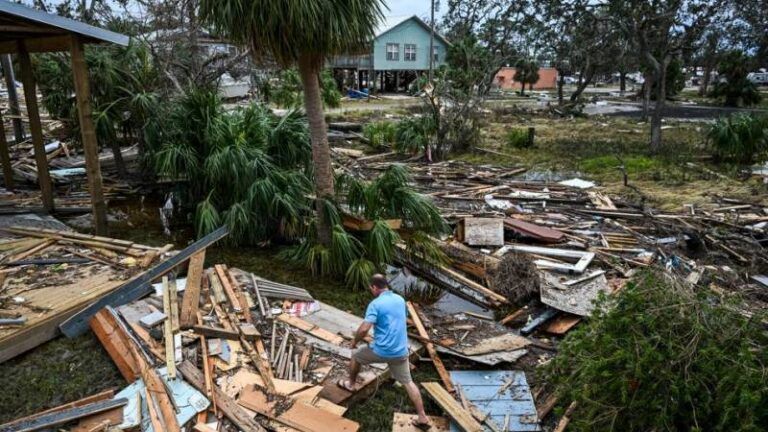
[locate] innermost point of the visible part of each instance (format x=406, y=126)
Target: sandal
x=421, y=426
x=346, y=385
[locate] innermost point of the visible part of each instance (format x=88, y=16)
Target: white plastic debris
x=578, y=183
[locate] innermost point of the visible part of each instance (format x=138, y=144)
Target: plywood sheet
x=404, y=423
x=577, y=299
x=483, y=231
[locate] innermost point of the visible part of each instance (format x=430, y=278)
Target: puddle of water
x=406, y=283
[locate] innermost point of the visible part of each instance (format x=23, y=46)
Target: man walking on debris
x=386, y=314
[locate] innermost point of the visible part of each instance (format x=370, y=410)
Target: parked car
x=759, y=78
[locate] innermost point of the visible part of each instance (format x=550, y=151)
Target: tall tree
x=302, y=33
x=663, y=30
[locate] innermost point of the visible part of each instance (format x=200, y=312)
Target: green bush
x=735, y=89
x=380, y=134
x=741, y=138
x=518, y=138
x=288, y=92
x=660, y=356
x=414, y=134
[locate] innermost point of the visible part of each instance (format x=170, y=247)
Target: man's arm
x=361, y=333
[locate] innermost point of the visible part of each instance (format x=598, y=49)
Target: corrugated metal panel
x=37, y=16
x=483, y=389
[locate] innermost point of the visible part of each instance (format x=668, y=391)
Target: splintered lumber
x=107, y=330
x=221, y=271
x=546, y=407
x=513, y=316
x=224, y=403
x=50, y=420
x=537, y=232
x=436, y=361
x=105, y=395
x=170, y=347
x=463, y=419
x=566, y=418
x=214, y=332
x=139, y=286
x=312, y=329
x=191, y=300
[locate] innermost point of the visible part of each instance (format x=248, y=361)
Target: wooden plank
x=50, y=420
x=88, y=135
x=436, y=361
x=562, y=324
x=463, y=419
x=227, y=285
x=107, y=394
x=566, y=418
x=312, y=329
x=404, y=423
x=216, y=332
x=99, y=422
x=112, y=339
x=33, y=113
x=191, y=300
x=308, y=418
x=224, y=403
x=170, y=347
x=538, y=232
x=139, y=286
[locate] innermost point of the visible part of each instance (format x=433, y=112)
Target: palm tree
x=302, y=33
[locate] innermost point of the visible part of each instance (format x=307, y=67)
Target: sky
x=414, y=7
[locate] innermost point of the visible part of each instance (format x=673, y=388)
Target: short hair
x=379, y=281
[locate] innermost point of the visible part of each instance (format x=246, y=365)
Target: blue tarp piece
x=499, y=393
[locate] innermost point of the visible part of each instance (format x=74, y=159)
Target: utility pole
x=432, y=41
x=13, y=96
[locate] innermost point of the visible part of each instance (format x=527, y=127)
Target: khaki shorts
x=398, y=366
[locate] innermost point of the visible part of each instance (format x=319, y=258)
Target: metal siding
x=408, y=32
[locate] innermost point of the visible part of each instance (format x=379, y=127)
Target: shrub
x=741, y=138
x=518, y=138
x=735, y=88
x=380, y=134
x=414, y=134
x=660, y=356
x=288, y=92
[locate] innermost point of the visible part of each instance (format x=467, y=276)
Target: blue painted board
x=482, y=388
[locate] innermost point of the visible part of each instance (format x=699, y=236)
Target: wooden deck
x=46, y=295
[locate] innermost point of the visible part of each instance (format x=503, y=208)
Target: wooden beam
x=463, y=419
x=111, y=337
x=170, y=347
x=50, y=420
x=445, y=377
x=215, y=332
x=224, y=403
x=191, y=300
x=88, y=134
x=5, y=158
x=33, y=113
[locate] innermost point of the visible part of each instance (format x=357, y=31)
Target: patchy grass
x=55, y=373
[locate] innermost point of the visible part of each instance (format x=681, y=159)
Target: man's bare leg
x=354, y=370
x=415, y=396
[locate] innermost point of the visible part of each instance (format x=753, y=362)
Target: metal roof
x=22, y=22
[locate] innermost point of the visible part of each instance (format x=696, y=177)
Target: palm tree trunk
x=309, y=70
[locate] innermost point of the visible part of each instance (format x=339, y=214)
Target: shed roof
x=44, y=31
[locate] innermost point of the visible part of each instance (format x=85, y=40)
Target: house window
x=435, y=54
x=410, y=52
x=393, y=51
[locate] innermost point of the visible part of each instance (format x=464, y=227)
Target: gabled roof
x=390, y=22
x=20, y=22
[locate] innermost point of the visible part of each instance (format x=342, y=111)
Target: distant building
x=398, y=54
x=505, y=79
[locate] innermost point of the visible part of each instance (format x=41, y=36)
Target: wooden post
x=88, y=132
x=13, y=97
x=30, y=96
x=5, y=158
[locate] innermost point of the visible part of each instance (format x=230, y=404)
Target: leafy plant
x=661, y=356
x=741, y=138
x=735, y=89
x=287, y=91
x=247, y=168
x=414, y=134
x=380, y=134
x=518, y=138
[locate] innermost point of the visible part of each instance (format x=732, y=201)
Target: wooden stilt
x=33, y=113
x=88, y=132
x=5, y=158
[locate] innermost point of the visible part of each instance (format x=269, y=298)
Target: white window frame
x=393, y=55
x=409, y=52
